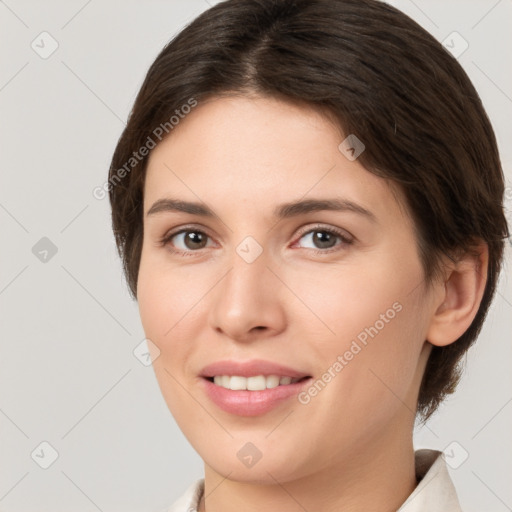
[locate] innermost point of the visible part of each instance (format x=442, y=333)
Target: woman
x=307, y=200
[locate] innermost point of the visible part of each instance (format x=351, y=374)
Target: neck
x=379, y=477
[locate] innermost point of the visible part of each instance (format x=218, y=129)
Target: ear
x=457, y=305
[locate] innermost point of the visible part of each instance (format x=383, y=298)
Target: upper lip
x=250, y=368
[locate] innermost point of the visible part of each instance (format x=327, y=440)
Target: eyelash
x=346, y=241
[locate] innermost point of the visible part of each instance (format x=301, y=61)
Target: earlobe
x=457, y=305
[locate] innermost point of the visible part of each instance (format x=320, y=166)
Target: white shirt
x=434, y=493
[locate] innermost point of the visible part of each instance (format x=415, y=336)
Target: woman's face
x=335, y=295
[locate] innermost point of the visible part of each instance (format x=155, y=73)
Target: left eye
x=324, y=238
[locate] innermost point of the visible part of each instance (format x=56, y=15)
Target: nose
x=248, y=302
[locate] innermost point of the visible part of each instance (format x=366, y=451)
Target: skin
x=350, y=448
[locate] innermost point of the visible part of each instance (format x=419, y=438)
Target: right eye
x=185, y=241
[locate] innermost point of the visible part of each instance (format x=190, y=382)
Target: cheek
x=166, y=297
x=164, y=306
x=166, y=310
x=357, y=301
x=372, y=331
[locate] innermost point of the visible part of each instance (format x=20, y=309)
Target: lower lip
x=251, y=403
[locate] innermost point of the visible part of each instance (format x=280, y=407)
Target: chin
x=242, y=461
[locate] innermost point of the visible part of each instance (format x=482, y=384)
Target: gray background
x=68, y=375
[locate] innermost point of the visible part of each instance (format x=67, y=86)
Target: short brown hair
x=384, y=79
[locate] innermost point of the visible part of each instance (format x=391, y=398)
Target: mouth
x=252, y=387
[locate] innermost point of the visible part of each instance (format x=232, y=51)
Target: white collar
x=435, y=490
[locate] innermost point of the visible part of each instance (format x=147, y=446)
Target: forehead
x=258, y=152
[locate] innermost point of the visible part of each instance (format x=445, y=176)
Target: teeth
x=257, y=383
x=272, y=381
x=237, y=383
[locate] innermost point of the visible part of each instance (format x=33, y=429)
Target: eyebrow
x=282, y=211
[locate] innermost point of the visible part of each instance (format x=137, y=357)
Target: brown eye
x=323, y=238
x=187, y=240
x=194, y=239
